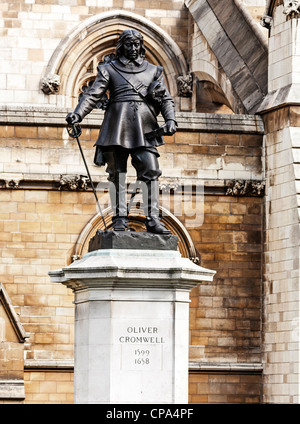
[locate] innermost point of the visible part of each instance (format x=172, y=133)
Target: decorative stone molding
x=187, y=121
x=291, y=7
x=266, y=21
x=73, y=182
x=185, y=85
x=12, y=390
x=11, y=183
x=168, y=187
x=226, y=367
x=245, y=188
x=50, y=84
x=49, y=365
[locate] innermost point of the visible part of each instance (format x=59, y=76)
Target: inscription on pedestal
x=142, y=348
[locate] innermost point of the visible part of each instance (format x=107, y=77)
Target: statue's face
x=132, y=48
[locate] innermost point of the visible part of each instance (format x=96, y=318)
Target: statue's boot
x=151, y=208
x=117, y=193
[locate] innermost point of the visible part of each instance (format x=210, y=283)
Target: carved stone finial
x=266, y=21
x=245, y=188
x=291, y=7
x=50, y=84
x=185, y=85
x=73, y=182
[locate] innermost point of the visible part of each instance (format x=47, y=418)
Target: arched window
x=76, y=58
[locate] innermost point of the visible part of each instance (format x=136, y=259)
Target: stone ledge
x=223, y=367
x=187, y=121
x=63, y=364
x=12, y=389
x=137, y=269
x=284, y=96
x=48, y=364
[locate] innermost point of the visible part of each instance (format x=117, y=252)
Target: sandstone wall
x=41, y=223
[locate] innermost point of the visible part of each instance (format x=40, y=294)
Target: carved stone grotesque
x=73, y=182
x=291, y=7
x=168, y=187
x=50, y=84
x=245, y=188
x=13, y=183
x=185, y=85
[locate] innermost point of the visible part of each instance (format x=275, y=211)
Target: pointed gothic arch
x=77, y=54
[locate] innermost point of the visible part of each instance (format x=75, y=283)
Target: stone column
x=281, y=114
x=131, y=324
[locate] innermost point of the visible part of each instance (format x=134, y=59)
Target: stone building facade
x=229, y=187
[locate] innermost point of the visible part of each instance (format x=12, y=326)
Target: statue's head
x=131, y=44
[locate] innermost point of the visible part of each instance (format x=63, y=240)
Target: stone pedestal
x=131, y=324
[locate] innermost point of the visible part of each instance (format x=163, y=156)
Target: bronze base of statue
x=132, y=240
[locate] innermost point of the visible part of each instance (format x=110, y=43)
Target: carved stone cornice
x=187, y=121
x=177, y=187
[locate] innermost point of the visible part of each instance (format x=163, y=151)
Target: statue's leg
x=146, y=164
x=116, y=160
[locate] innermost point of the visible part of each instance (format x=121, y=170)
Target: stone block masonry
x=281, y=272
x=226, y=314
x=215, y=387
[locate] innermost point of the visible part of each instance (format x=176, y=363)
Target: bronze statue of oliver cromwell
x=137, y=94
